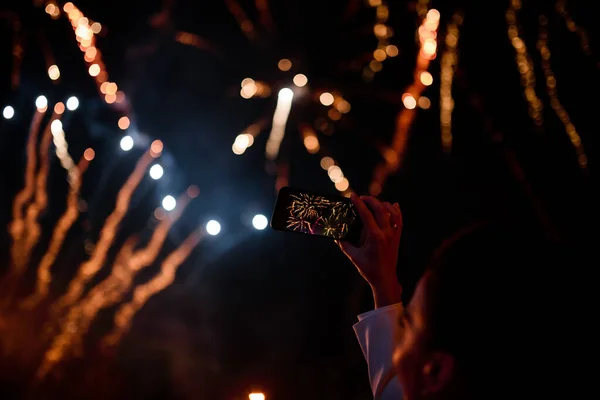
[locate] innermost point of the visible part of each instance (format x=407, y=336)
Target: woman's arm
x=375, y=333
x=376, y=259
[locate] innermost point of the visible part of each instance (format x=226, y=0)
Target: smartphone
x=310, y=213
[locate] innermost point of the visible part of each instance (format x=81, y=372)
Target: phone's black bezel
x=279, y=217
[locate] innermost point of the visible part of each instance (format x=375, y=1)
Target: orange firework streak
x=32, y=227
x=427, y=35
x=44, y=277
x=265, y=14
x=246, y=26
x=143, y=292
x=59, y=345
x=112, y=289
x=88, y=269
x=17, y=226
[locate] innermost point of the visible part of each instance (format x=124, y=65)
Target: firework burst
x=308, y=207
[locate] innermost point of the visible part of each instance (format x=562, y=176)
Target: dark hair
x=481, y=299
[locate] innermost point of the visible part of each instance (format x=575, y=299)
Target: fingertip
x=393, y=209
x=372, y=201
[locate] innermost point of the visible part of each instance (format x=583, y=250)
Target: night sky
x=263, y=310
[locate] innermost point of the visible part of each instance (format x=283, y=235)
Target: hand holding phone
x=366, y=229
x=377, y=256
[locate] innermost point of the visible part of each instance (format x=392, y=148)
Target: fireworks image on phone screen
x=317, y=215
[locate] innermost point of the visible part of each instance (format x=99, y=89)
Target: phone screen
x=329, y=216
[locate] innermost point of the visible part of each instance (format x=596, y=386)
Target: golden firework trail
x=44, y=275
x=61, y=342
x=427, y=33
x=32, y=226
x=246, y=26
x=88, y=269
x=143, y=292
x=17, y=226
x=112, y=289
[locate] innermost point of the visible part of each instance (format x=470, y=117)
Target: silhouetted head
x=464, y=332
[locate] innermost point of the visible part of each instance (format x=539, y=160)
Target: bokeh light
x=213, y=227
x=335, y=173
x=123, y=123
x=426, y=78
x=156, y=171
x=300, y=80
x=424, y=102
x=54, y=72
x=56, y=126
x=326, y=99
x=256, y=396
x=156, y=148
x=238, y=150
x=286, y=94
x=312, y=144
x=334, y=114
x=284, y=64
x=249, y=88
x=94, y=70
x=193, y=191
x=260, y=222
x=159, y=213
x=126, y=143
x=8, y=112
x=41, y=103
x=169, y=203
x=327, y=162
x=429, y=48
x=409, y=101
x=242, y=141
x=342, y=185
x=379, y=55
x=89, y=154
x=392, y=50
x=96, y=27
x=59, y=108
x=433, y=15
x=72, y=103
x=90, y=54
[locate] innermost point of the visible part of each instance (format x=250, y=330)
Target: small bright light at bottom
x=8, y=112
x=260, y=222
x=72, y=103
x=169, y=203
x=213, y=227
x=256, y=396
x=156, y=171
x=127, y=143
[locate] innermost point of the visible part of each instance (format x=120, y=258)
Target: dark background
x=266, y=310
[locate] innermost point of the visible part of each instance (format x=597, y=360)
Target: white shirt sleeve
x=375, y=333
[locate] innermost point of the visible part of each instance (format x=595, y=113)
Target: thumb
x=345, y=247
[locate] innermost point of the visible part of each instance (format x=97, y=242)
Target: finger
x=401, y=219
x=396, y=217
x=345, y=247
x=365, y=214
x=394, y=209
x=382, y=215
